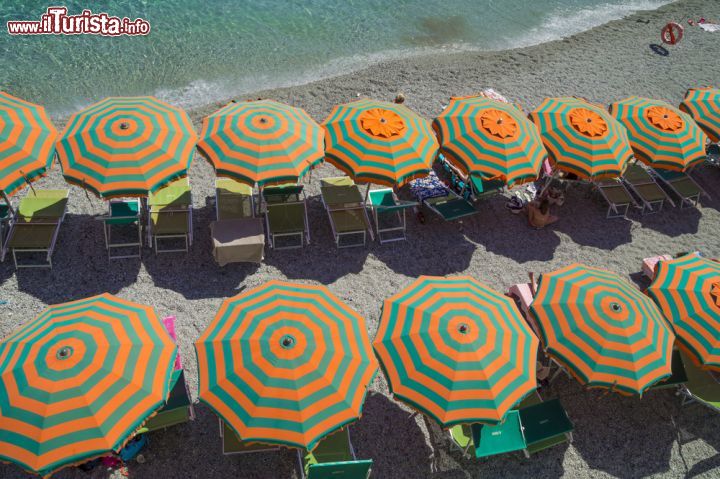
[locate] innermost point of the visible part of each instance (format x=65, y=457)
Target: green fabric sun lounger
x=485, y=188
x=450, y=207
x=170, y=216
x=36, y=226
x=617, y=197
x=545, y=423
x=389, y=214
x=701, y=386
x=345, y=206
x=232, y=444
x=640, y=182
x=177, y=408
x=123, y=213
x=334, y=457
x=682, y=185
x=503, y=438
x=233, y=200
x=286, y=216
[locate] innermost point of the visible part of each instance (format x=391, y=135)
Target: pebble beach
x=615, y=436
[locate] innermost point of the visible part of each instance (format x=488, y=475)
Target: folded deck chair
x=701, y=386
x=334, y=457
x=440, y=199
x=232, y=444
x=286, y=216
x=617, y=197
x=682, y=185
x=123, y=213
x=389, y=214
x=545, y=423
x=36, y=226
x=641, y=182
x=170, y=216
x=233, y=200
x=345, y=206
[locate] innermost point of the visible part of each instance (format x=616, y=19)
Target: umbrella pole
x=28, y=182
x=7, y=202
x=367, y=193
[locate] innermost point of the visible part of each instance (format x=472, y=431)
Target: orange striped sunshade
x=126, y=146
x=687, y=290
x=491, y=139
x=27, y=143
x=661, y=135
x=77, y=381
x=286, y=364
x=582, y=138
x=602, y=329
x=262, y=141
x=456, y=350
x=703, y=104
x=379, y=142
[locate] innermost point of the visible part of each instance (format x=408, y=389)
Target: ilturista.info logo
x=56, y=21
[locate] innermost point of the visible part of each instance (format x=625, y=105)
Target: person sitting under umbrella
x=539, y=213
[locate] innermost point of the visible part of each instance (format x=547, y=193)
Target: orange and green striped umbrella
x=490, y=139
x=286, y=364
x=27, y=143
x=379, y=142
x=602, y=329
x=77, y=381
x=687, y=290
x=456, y=350
x=703, y=104
x=126, y=146
x=582, y=138
x=262, y=141
x=661, y=135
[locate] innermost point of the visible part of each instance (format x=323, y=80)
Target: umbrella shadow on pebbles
x=194, y=449
x=80, y=265
x=386, y=427
x=673, y=221
x=196, y=275
x=698, y=422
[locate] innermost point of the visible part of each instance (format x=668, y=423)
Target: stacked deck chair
x=682, y=185
x=534, y=426
x=345, y=206
x=652, y=197
x=36, y=225
x=333, y=457
x=389, y=214
x=617, y=197
x=286, y=216
x=441, y=200
x=170, y=216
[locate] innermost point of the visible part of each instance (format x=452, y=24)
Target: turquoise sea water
x=200, y=51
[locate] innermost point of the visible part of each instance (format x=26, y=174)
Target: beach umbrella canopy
x=456, y=350
x=602, y=329
x=27, y=143
x=77, y=381
x=582, y=138
x=703, y=104
x=661, y=135
x=286, y=364
x=490, y=139
x=379, y=142
x=262, y=141
x=687, y=290
x=126, y=146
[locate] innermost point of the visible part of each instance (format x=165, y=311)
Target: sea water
x=201, y=51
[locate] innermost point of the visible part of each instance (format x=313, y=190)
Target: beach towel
x=710, y=27
x=428, y=187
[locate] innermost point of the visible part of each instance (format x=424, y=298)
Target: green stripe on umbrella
x=703, y=104
x=603, y=329
x=78, y=381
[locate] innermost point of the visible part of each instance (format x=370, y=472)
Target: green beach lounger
x=36, y=226
x=233, y=200
x=682, y=185
x=701, y=386
x=389, y=214
x=286, y=216
x=232, y=444
x=480, y=189
x=123, y=213
x=545, y=423
x=441, y=200
x=641, y=182
x=170, y=216
x=345, y=206
x=617, y=197
x=334, y=457
x=177, y=409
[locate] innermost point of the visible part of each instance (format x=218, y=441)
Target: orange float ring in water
x=672, y=33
